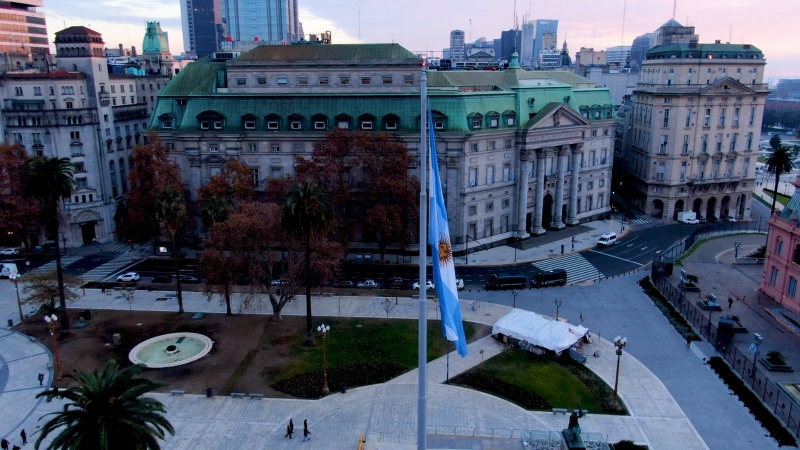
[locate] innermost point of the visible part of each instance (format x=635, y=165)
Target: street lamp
x=14, y=276
x=619, y=342
x=466, y=248
x=558, y=305
x=514, y=293
x=52, y=322
x=736, y=246
x=323, y=330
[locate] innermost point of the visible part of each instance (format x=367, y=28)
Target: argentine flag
x=444, y=272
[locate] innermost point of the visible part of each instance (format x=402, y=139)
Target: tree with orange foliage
x=151, y=172
x=231, y=187
x=17, y=213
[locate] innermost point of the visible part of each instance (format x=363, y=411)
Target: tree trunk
x=228, y=299
x=309, y=330
x=64, y=319
x=775, y=192
x=178, y=289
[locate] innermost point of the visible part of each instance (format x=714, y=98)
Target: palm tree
x=171, y=213
x=49, y=180
x=106, y=411
x=780, y=161
x=307, y=211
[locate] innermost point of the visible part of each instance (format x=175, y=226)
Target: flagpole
x=422, y=396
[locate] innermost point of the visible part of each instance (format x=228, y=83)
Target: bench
x=560, y=410
x=177, y=392
x=198, y=315
x=237, y=394
x=255, y=395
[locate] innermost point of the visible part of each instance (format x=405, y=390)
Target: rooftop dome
x=154, y=39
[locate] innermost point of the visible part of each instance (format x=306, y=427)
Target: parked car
x=396, y=283
x=129, y=277
x=460, y=284
x=189, y=279
x=279, y=282
x=429, y=286
x=730, y=219
x=10, y=251
x=344, y=284
x=369, y=284
x=702, y=219
x=691, y=221
x=163, y=279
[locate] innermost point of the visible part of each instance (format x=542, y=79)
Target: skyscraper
x=24, y=30
x=511, y=42
x=640, y=46
x=541, y=27
x=457, y=50
x=526, y=45
x=199, y=19
x=269, y=21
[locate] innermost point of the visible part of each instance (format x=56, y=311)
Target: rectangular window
x=505, y=203
x=749, y=141
x=80, y=182
x=734, y=138
x=254, y=176
x=366, y=80
x=391, y=125
x=683, y=170
x=438, y=125
x=472, y=210
x=113, y=89
x=688, y=118
x=276, y=172
x=474, y=147
x=736, y=117
x=662, y=149
x=490, y=175
x=665, y=124
x=213, y=148
x=261, y=81
x=296, y=125
x=705, y=143
x=282, y=80
x=476, y=123
x=323, y=81
x=302, y=81
x=366, y=125
x=386, y=79
x=272, y=125
x=275, y=148
x=408, y=79
x=240, y=81
x=489, y=206
x=217, y=124
x=752, y=117
x=297, y=147
x=249, y=124
x=686, y=145
x=344, y=80
x=473, y=176
x=707, y=117
x=252, y=148
x=319, y=125
x=493, y=122
x=507, y=143
x=722, y=117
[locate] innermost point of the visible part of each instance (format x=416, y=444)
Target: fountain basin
x=170, y=350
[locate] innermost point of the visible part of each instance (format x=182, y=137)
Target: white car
x=128, y=277
x=460, y=284
x=691, y=221
x=368, y=284
x=429, y=286
x=10, y=251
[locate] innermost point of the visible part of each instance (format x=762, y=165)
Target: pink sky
x=425, y=25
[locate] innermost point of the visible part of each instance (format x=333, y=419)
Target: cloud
x=312, y=24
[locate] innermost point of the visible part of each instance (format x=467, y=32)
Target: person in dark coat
x=289, y=430
x=24, y=436
x=4, y=444
x=305, y=431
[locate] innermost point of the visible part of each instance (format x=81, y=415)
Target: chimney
x=121, y=50
x=133, y=50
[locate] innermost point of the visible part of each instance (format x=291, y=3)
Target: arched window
x=778, y=246
x=210, y=120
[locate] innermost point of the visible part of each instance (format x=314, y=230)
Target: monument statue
x=572, y=434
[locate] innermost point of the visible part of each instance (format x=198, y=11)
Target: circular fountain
x=170, y=350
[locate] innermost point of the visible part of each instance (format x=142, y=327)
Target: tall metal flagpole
x=422, y=395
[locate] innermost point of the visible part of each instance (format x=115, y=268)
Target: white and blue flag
x=444, y=272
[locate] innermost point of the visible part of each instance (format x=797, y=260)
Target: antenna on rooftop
x=674, y=7
x=622, y=38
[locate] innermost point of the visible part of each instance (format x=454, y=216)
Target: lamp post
x=323, y=330
x=619, y=343
x=52, y=322
x=514, y=293
x=466, y=247
x=14, y=276
x=515, y=248
x=736, y=246
x=558, y=305
x=64, y=240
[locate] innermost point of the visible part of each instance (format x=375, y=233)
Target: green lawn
x=782, y=199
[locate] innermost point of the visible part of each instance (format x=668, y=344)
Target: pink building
x=782, y=264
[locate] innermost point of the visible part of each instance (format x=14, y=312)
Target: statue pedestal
x=572, y=441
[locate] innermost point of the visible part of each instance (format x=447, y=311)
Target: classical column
x=562, y=169
x=541, y=155
x=572, y=210
x=522, y=194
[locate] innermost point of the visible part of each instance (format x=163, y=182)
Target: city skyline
x=733, y=21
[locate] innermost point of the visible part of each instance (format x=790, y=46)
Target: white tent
x=538, y=330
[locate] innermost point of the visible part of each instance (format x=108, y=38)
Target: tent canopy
x=538, y=330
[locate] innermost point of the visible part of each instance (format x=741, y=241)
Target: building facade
x=782, y=263
x=82, y=112
x=458, y=53
x=270, y=21
x=691, y=134
x=199, y=20
x=23, y=35
x=541, y=28
x=520, y=152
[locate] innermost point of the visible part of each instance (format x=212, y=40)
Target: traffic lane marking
x=637, y=263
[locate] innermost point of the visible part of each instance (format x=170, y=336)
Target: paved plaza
x=675, y=400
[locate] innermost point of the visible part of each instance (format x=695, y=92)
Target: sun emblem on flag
x=445, y=250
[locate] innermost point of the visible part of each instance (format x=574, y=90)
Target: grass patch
x=240, y=370
x=753, y=403
x=782, y=199
x=534, y=382
x=675, y=318
x=696, y=245
x=360, y=352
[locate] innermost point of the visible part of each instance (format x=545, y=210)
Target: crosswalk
x=120, y=248
x=105, y=270
x=51, y=266
x=639, y=221
x=577, y=267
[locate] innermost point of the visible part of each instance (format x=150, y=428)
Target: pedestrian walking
x=24, y=436
x=289, y=430
x=306, y=433
x=688, y=340
x=41, y=378
x=16, y=447
x=291, y=424
x=4, y=444
x=581, y=316
x=730, y=302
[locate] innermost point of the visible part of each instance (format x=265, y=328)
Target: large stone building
x=23, y=35
x=782, y=264
x=520, y=152
x=82, y=112
x=692, y=131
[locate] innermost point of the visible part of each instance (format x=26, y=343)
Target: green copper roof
x=327, y=52
x=196, y=78
x=710, y=51
x=155, y=41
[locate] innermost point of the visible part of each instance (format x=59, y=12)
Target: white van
x=608, y=238
x=7, y=268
